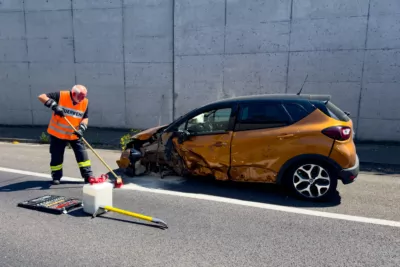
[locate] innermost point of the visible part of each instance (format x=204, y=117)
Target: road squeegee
x=98, y=199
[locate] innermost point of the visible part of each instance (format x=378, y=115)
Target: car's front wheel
x=312, y=180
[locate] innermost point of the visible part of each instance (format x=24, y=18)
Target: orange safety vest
x=58, y=126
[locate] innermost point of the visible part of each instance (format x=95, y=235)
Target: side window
x=259, y=115
x=209, y=122
x=296, y=111
x=222, y=115
x=182, y=126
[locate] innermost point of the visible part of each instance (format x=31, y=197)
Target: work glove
x=81, y=130
x=55, y=107
x=58, y=111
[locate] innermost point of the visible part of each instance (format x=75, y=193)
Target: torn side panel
x=206, y=155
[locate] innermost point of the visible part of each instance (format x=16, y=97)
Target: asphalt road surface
x=210, y=223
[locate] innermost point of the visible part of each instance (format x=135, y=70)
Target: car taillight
x=339, y=133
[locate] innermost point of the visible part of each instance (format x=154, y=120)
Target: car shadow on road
x=262, y=193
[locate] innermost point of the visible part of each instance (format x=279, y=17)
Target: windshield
x=180, y=117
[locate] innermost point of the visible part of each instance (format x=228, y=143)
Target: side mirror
x=183, y=135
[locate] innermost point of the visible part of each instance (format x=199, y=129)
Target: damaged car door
x=261, y=133
x=205, y=144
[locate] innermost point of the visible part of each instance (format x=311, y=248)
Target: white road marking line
x=38, y=174
x=22, y=144
x=231, y=201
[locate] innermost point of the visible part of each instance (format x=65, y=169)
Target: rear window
x=332, y=111
x=296, y=111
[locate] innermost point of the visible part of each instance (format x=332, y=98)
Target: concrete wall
x=140, y=59
x=121, y=50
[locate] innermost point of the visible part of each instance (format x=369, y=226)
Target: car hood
x=146, y=134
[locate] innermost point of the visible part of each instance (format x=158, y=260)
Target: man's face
x=78, y=97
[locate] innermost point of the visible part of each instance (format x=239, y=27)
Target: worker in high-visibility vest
x=73, y=105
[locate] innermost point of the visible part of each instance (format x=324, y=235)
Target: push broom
x=118, y=181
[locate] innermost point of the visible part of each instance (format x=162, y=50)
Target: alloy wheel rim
x=311, y=181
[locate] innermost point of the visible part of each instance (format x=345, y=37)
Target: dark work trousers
x=57, y=149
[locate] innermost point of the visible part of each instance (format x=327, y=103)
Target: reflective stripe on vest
x=61, y=128
x=61, y=125
x=60, y=131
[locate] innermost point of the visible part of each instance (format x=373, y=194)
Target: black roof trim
x=274, y=97
x=237, y=100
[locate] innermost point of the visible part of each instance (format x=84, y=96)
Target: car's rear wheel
x=312, y=180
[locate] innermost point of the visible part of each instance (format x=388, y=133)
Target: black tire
x=327, y=181
x=130, y=171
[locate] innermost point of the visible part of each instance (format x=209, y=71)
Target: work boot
x=87, y=179
x=55, y=182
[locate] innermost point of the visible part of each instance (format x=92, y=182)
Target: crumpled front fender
x=146, y=134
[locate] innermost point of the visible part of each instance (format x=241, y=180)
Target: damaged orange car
x=304, y=142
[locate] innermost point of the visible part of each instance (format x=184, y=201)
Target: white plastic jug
x=95, y=195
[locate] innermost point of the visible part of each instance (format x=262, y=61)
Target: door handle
x=285, y=135
x=219, y=144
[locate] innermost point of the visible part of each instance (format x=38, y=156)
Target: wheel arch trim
x=290, y=162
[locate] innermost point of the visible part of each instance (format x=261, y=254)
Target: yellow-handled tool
x=132, y=214
x=137, y=215
x=118, y=179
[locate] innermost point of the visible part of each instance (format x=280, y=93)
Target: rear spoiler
x=325, y=98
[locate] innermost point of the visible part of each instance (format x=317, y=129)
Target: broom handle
x=91, y=148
